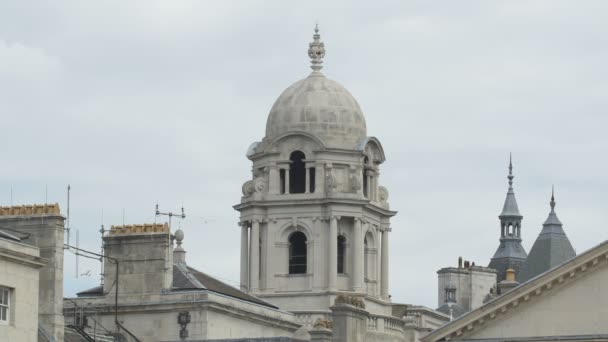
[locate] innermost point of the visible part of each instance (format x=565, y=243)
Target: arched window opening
x=341, y=253
x=297, y=253
x=297, y=173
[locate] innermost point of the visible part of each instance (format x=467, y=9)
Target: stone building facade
x=20, y=264
x=43, y=226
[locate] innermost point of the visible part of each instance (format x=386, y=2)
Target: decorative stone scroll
x=258, y=185
x=350, y=300
x=382, y=194
x=322, y=323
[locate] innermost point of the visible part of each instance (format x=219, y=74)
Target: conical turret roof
x=510, y=207
x=551, y=248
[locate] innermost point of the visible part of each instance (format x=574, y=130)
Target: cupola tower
x=510, y=252
x=314, y=219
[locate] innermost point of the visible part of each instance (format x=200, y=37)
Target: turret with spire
x=510, y=252
x=551, y=248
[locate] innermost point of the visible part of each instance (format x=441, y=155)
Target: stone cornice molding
x=524, y=294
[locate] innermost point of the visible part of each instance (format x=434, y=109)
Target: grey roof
x=187, y=278
x=551, y=248
x=452, y=309
x=510, y=253
x=6, y=235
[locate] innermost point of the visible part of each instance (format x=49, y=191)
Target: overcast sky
x=134, y=102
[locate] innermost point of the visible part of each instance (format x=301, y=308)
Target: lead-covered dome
x=318, y=106
x=321, y=107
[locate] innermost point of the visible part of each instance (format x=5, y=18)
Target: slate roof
x=551, y=248
x=456, y=310
x=8, y=236
x=187, y=278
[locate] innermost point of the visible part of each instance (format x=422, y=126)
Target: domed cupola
x=318, y=106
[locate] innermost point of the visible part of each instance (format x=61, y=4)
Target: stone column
x=319, y=178
x=376, y=185
x=274, y=180
x=287, y=179
x=384, y=272
x=320, y=335
x=358, y=281
x=244, y=256
x=307, y=184
x=368, y=174
x=349, y=322
x=333, y=253
x=254, y=274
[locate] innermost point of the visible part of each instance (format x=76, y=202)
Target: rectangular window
x=5, y=304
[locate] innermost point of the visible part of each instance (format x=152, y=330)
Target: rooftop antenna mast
x=102, y=231
x=170, y=214
x=67, y=222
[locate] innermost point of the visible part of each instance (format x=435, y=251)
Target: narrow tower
x=550, y=249
x=510, y=252
x=314, y=219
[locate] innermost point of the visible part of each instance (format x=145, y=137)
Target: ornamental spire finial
x=316, y=51
x=552, y=203
x=510, y=171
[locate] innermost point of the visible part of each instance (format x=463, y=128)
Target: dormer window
x=450, y=295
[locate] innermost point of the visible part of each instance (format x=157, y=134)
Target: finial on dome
x=316, y=51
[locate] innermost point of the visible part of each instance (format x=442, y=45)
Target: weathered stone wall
x=46, y=228
x=19, y=267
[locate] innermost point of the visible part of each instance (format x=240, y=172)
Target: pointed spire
x=552, y=203
x=510, y=208
x=316, y=51
x=510, y=176
x=552, y=219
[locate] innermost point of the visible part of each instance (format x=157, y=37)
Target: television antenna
x=170, y=214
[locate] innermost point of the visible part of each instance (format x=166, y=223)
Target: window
x=450, y=295
x=297, y=173
x=341, y=252
x=297, y=253
x=5, y=304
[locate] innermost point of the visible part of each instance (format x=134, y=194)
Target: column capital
x=244, y=223
x=335, y=217
x=359, y=219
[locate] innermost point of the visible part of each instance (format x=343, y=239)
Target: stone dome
x=321, y=107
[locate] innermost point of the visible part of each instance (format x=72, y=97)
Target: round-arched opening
x=297, y=253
